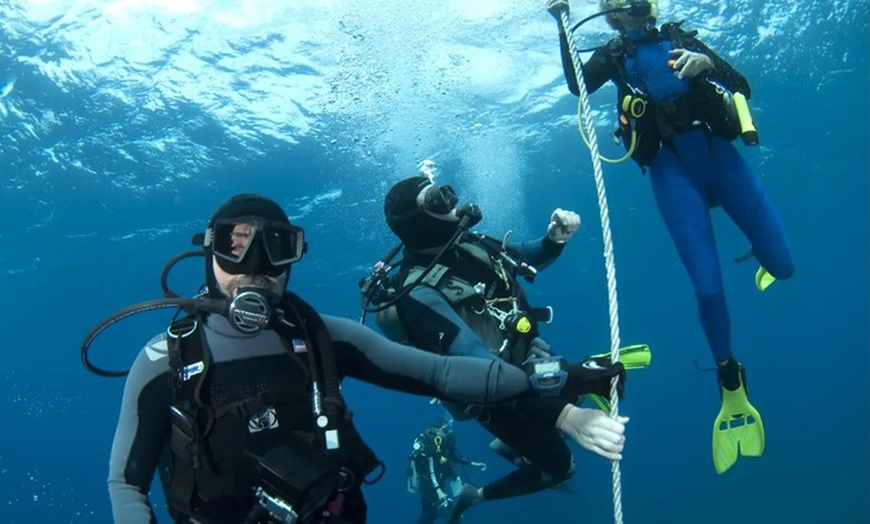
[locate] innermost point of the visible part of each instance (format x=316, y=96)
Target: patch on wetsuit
x=266, y=419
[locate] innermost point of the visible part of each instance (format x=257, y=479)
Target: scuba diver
x=457, y=292
x=680, y=106
x=238, y=404
x=434, y=467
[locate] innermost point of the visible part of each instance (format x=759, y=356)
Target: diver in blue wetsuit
x=676, y=101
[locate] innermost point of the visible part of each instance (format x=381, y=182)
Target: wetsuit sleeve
x=722, y=70
x=596, y=71
x=142, y=430
x=539, y=253
x=423, y=465
x=432, y=324
x=367, y=356
x=454, y=456
x=429, y=468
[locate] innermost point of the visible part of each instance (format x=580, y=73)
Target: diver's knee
x=566, y=472
x=783, y=271
x=708, y=284
x=776, y=257
x=711, y=301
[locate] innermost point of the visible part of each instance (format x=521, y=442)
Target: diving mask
x=251, y=245
x=619, y=12
x=633, y=8
x=439, y=200
x=638, y=8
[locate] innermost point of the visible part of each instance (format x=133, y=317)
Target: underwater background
x=124, y=124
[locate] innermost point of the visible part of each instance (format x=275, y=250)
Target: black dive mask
x=638, y=9
x=633, y=8
x=253, y=246
x=440, y=200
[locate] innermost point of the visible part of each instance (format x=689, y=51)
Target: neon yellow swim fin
x=637, y=356
x=737, y=429
x=763, y=279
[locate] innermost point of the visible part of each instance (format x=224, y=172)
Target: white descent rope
x=613, y=306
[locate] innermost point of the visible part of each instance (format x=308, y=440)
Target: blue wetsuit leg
x=681, y=191
x=741, y=195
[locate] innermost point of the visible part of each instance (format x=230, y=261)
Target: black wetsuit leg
x=354, y=509
x=550, y=459
x=428, y=511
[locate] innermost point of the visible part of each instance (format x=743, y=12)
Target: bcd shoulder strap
x=359, y=456
x=188, y=366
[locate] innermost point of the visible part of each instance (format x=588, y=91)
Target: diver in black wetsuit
x=435, y=470
x=458, y=294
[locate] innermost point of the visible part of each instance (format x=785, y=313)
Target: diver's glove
x=689, y=64
x=594, y=430
x=593, y=376
x=555, y=6
x=469, y=215
x=563, y=225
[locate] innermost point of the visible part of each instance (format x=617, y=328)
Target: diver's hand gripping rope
x=613, y=309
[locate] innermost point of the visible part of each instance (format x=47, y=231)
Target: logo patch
x=266, y=419
x=595, y=366
x=299, y=346
x=191, y=370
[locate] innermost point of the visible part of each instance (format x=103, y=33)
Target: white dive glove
x=563, y=224
x=594, y=430
x=689, y=64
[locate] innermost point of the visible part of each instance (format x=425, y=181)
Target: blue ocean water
x=125, y=123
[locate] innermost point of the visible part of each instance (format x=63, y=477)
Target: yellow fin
x=738, y=429
x=763, y=279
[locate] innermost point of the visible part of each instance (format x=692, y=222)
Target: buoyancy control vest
x=479, y=278
x=284, y=444
x=706, y=105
